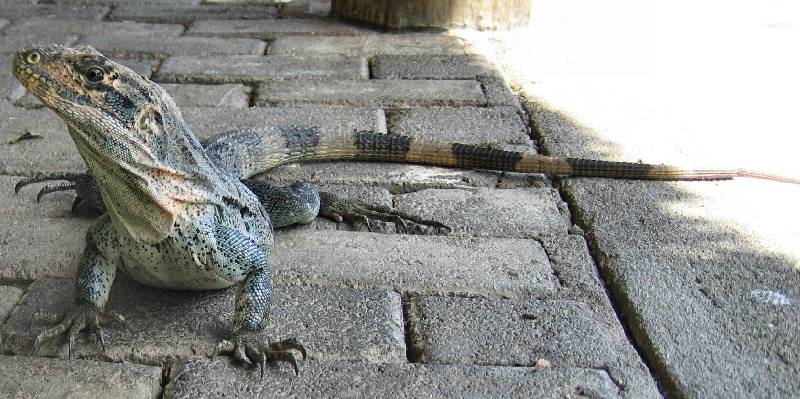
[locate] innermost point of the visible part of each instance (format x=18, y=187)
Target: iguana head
x=129, y=131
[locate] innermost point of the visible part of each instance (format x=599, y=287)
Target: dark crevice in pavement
x=166, y=369
x=411, y=355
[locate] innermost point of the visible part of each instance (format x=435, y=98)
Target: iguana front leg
x=88, y=198
x=96, y=272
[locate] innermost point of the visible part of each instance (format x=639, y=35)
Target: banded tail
x=246, y=153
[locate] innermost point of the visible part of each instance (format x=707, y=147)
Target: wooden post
x=400, y=14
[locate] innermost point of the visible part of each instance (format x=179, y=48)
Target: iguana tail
x=246, y=153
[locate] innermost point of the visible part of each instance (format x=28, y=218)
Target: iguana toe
x=251, y=348
x=73, y=322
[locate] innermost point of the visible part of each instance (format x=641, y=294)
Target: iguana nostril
x=33, y=58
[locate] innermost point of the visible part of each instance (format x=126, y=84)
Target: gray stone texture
x=9, y=296
x=3, y=23
x=184, y=14
x=229, y=95
x=473, y=125
x=34, y=229
x=15, y=11
x=201, y=378
x=429, y=66
x=255, y=68
x=35, y=377
x=409, y=263
x=384, y=93
x=333, y=323
x=36, y=27
x=122, y=45
x=497, y=91
x=367, y=45
x=9, y=44
x=270, y=30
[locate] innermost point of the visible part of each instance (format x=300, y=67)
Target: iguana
x=177, y=213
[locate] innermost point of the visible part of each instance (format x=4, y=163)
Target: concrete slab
x=39, y=26
x=473, y=125
x=15, y=11
x=367, y=45
x=10, y=44
x=383, y=93
x=507, y=332
x=332, y=323
x=272, y=29
x=416, y=66
x=122, y=45
x=482, y=212
x=35, y=377
x=3, y=23
x=32, y=229
x=201, y=378
x=254, y=68
x=409, y=263
x=184, y=14
x=497, y=91
x=230, y=95
x=9, y=296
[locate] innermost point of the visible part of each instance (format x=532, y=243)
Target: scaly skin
x=177, y=213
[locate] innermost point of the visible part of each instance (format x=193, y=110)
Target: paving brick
x=3, y=23
x=201, y=378
x=416, y=66
x=35, y=377
x=497, y=91
x=10, y=44
x=384, y=93
x=142, y=66
x=512, y=332
x=9, y=296
x=332, y=323
x=184, y=14
x=249, y=68
x=32, y=229
x=154, y=46
x=230, y=95
x=305, y=9
x=23, y=11
x=411, y=263
x=272, y=29
x=474, y=125
x=54, y=152
x=369, y=45
x=63, y=27
x=208, y=122
x=483, y=212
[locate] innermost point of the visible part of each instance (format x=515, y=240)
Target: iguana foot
x=88, y=198
x=251, y=347
x=73, y=322
x=357, y=211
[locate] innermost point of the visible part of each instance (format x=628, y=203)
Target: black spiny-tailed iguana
x=177, y=213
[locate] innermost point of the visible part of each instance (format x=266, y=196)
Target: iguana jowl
x=177, y=213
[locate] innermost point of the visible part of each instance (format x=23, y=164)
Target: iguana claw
x=249, y=348
x=355, y=210
x=72, y=322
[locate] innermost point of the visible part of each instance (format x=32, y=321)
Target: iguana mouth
x=40, y=82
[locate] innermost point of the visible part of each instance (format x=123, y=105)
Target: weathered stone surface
x=231, y=95
x=473, y=125
x=254, y=68
x=36, y=377
x=385, y=93
x=367, y=45
x=184, y=14
x=332, y=323
x=54, y=152
x=520, y=213
x=497, y=91
x=9, y=296
x=121, y=45
x=410, y=263
x=428, y=66
x=38, y=239
x=208, y=122
x=3, y=24
x=200, y=378
x=508, y=332
x=270, y=30
x=23, y=11
x=64, y=27
x=10, y=44
x=305, y=9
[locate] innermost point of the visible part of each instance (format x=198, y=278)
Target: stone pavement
x=513, y=303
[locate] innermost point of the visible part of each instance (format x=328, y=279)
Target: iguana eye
x=33, y=58
x=94, y=74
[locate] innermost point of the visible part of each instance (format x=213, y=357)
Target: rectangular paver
x=473, y=125
x=369, y=45
x=183, y=14
x=385, y=93
x=200, y=378
x=272, y=29
x=9, y=296
x=16, y=11
x=332, y=323
x=66, y=27
x=254, y=68
x=445, y=265
x=121, y=45
x=417, y=66
x=36, y=377
x=226, y=95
